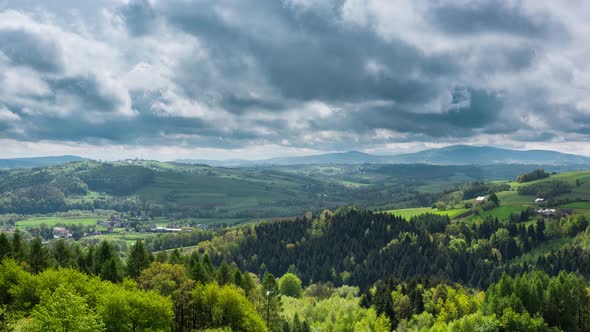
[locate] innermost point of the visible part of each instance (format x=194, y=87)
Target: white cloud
x=305, y=75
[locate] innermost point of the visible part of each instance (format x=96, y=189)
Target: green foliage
x=129, y=309
x=117, y=179
x=546, y=189
x=531, y=176
x=475, y=189
x=521, y=322
x=5, y=247
x=70, y=185
x=38, y=256
x=290, y=285
x=562, y=301
x=67, y=300
x=332, y=314
x=139, y=259
x=272, y=304
x=64, y=311
x=106, y=263
x=474, y=322
x=225, y=306
x=494, y=199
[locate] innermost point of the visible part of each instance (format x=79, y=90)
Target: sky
x=252, y=79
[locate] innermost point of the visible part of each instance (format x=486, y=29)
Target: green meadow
x=409, y=213
x=53, y=221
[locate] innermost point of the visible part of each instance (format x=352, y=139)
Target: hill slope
x=485, y=155
x=450, y=155
x=37, y=161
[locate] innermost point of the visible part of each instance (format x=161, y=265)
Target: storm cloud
x=300, y=74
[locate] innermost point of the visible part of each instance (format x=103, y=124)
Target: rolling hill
x=450, y=155
x=485, y=155
x=37, y=161
x=350, y=158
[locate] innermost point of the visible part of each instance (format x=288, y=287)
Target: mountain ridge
x=31, y=162
x=449, y=155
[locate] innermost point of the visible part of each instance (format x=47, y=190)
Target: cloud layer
x=298, y=75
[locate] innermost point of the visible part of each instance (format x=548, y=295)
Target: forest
x=348, y=270
x=447, y=263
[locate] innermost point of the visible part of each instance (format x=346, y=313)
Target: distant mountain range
x=450, y=155
x=37, y=161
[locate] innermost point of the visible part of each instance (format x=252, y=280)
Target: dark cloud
x=139, y=17
x=305, y=55
x=239, y=73
x=491, y=16
x=26, y=49
x=469, y=111
x=87, y=92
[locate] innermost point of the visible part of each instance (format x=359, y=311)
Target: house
x=480, y=199
x=61, y=233
x=539, y=200
x=161, y=229
x=546, y=212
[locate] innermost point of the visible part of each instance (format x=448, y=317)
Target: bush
x=546, y=189
x=531, y=176
x=290, y=285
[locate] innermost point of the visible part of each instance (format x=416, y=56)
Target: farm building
x=546, y=212
x=539, y=200
x=61, y=232
x=480, y=199
x=161, y=229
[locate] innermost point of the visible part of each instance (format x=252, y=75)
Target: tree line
x=361, y=247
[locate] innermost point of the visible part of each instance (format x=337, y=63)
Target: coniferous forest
x=349, y=270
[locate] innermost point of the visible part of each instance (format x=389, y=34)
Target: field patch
x=53, y=221
x=577, y=205
x=502, y=212
x=409, y=213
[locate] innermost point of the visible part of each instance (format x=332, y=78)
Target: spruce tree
x=138, y=260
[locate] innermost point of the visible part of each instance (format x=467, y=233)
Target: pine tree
x=272, y=306
x=61, y=253
x=5, y=247
x=107, y=263
x=223, y=274
x=175, y=257
x=138, y=259
x=238, y=278
x=19, y=247
x=208, y=265
x=199, y=273
x=38, y=256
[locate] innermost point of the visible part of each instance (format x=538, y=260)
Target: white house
x=539, y=200
x=546, y=212
x=480, y=199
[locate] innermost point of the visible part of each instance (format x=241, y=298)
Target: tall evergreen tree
x=107, y=263
x=61, y=253
x=38, y=256
x=138, y=259
x=272, y=305
x=19, y=246
x=5, y=247
x=175, y=257
x=223, y=274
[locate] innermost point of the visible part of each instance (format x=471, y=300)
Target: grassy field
x=502, y=212
x=577, y=205
x=206, y=221
x=409, y=213
x=120, y=234
x=52, y=221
